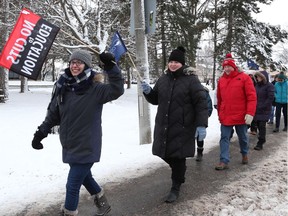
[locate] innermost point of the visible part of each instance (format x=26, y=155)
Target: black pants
x=280, y=107
x=253, y=126
x=200, y=144
x=178, y=167
x=261, y=126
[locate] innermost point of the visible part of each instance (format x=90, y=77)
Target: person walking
x=272, y=114
x=265, y=96
x=236, y=106
x=215, y=105
x=182, y=115
x=253, y=126
x=281, y=101
x=200, y=143
x=76, y=106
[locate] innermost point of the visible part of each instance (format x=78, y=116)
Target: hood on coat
x=98, y=77
x=187, y=70
x=282, y=76
x=190, y=71
x=263, y=75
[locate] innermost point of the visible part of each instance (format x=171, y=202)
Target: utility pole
x=143, y=69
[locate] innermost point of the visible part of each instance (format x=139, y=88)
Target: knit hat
x=282, y=76
x=229, y=61
x=83, y=56
x=178, y=55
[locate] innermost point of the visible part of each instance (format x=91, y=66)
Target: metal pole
x=143, y=68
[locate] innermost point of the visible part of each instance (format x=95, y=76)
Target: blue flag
x=117, y=47
x=252, y=65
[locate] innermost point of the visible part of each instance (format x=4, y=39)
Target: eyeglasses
x=77, y=63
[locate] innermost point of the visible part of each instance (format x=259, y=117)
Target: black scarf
x=79, y=83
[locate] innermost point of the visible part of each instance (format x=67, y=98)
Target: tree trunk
x=215, y=45
x=4, y=73
x=24, y=84
x=163, y=39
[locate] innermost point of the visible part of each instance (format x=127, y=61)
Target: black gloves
x=108, y=60
x=36, y=142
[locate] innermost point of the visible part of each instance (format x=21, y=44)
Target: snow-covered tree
x=245, y=36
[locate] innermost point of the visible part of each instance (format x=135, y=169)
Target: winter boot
x=276, y=130
x=174, y=192
x=199, y=156
x=65, y=212
x=101, y=203
x=259, y=145
x=244, y=159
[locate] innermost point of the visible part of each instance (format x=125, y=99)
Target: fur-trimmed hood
x=263, y=75
x=187, y=70
x=98, y=77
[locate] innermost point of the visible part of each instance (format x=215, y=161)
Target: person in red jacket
x=236, y=97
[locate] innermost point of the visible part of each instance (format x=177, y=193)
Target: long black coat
x=265, y=96
x=182, y=106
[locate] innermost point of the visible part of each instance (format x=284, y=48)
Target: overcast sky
x=275, y=14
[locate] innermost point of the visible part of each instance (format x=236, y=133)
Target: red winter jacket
x=236, y=97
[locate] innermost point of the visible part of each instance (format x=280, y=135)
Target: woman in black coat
x=182, y=115
x=76, y=106
x=265, y=96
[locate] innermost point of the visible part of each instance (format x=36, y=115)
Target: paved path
x=145, y=196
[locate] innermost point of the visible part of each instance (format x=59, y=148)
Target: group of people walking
x=184, y=106
x=269, y=95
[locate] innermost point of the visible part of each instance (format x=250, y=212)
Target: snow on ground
x=38, y=178
x=258, y=192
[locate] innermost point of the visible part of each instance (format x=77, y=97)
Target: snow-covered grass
x=37, y=178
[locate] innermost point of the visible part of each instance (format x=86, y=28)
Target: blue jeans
x=79, y=174
x=241, y=131
x=271, y=117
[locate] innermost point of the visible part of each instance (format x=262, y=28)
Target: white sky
x=275, y=14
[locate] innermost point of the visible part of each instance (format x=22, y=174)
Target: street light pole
x=143, y=68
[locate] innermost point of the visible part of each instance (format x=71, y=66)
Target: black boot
x=199, y=154
x=259, y=145
x=174, y=192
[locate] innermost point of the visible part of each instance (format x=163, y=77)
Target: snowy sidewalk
x=259, y=188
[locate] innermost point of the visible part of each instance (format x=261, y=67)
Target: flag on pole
x=252, y=65
x=117, y=47
x=28, y=45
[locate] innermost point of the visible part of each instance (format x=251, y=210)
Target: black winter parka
x=182, y=106
x=80, y=118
